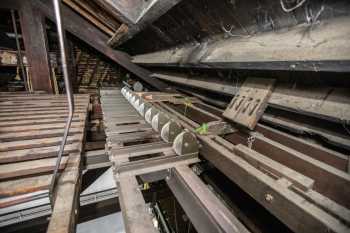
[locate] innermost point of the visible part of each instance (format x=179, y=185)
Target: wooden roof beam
x=91, y=35
x=326, y=49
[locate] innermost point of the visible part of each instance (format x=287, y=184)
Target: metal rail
x=69, y=92
x=19, y=53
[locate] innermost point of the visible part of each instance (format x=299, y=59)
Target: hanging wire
x=285, y=9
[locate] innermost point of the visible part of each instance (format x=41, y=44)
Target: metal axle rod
x=69, y=92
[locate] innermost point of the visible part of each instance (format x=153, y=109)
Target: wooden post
x=36, y=46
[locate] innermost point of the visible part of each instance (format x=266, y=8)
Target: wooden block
x=248, y=105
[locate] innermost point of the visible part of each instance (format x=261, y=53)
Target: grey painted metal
x=185, y=143
x=170, y=131
x=150, y=114
x=159, y=120
x=69, y=93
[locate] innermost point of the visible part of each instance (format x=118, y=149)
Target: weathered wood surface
x=31, y=130
x=249, y=104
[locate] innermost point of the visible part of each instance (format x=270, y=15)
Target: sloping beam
x=35, y=42
x=322, y=47
x=88, y=33
x=36, y=46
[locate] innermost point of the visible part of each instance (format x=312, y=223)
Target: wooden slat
x=41, y=109
x=42, y=112
x=134, y=207
x=36, y=122
x=66, y=201
x=34, y=117
x=36, y=153
x=35, y=143
x=24, y=128
x=249, y=104
x=24, y=185
x=37, y=134
x=21, y=169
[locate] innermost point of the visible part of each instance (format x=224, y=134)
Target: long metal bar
x=19, y=53
x=69, y=93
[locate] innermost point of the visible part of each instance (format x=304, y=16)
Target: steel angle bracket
x=170, y=130
x=159, y=120
x=151, y=112
x=137, y=104
x=185, y=144
x=143, y=108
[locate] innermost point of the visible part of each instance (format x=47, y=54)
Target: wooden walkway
x=31, y=130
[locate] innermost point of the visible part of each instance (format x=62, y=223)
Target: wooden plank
x=137, y=218
x=26, y=168
x=36, y=122
x=89, y=17
x=274, y=50
x=24, y=185
x=262, y=162
x=43, y=112
x=24, y=128
x=333, y=158
x=205, y=210
x=36, y=153
x=286, y=205
x=249, y=104
x=40, y=109
x=34, y=117
x=118, y=35
x=66, y=201
x=38, y=134
x=36, y=46
x=328, y=180
x=36, y=143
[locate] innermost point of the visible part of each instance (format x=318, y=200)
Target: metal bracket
x=185, y=143
x=159, y=120
x=170, y=130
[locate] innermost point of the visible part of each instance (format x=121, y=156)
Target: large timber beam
x=88, y=33
x=36, y=46
x=322, y=47
x=206, y=211
x=136, y=15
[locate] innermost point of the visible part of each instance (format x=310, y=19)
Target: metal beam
x=36, y=46
x=326, y=50
x=207, y=213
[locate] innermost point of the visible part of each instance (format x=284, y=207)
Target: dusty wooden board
x=248, y=105
x=31, y=132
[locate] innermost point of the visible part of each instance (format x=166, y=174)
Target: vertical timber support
x=36, y=46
